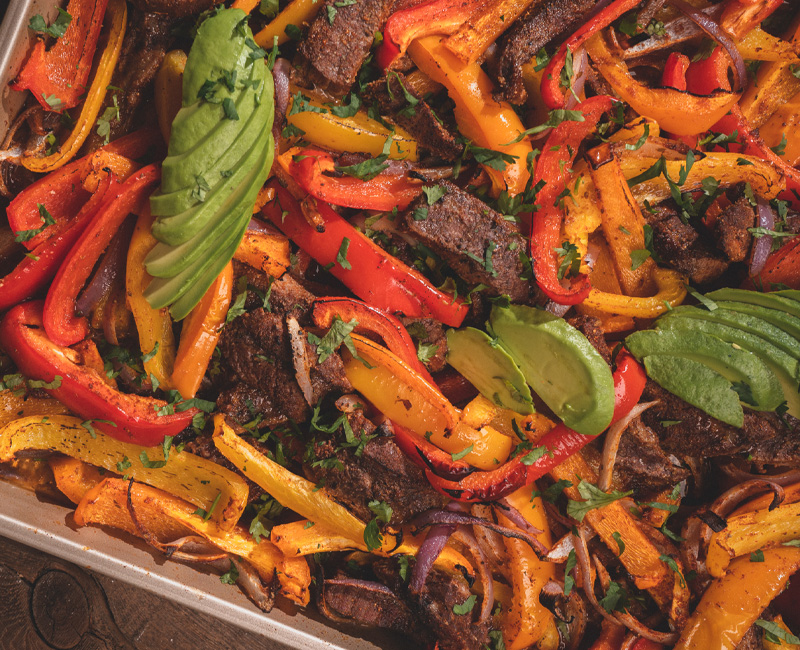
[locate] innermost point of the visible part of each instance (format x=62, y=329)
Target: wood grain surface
x=47, y=603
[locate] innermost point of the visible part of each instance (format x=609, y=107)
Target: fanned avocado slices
x=219, y=156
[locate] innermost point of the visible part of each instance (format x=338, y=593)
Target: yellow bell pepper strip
x=116, y=18
x=733, y=603
x=74, y=478
x=750, y=532
x=678, y=112
x=670, y=292
x=200, y=333
x=107, y=504
x=641, y=558
x=314, y=170
x=153, y=325
x=168, y=89
x=57, y=75
x=553, y=168
x=297, y=13
x=403, y=396
x=784, y=126
x=489, y=124
x=15, y=404
x=419, y=20
x=268, y=251
x=552, y=85
x=623, y=224
x=582, y=214
x=197, y=480
x=773, y=86
x=484, y=27
x=358, y=132
x=758, y=45
x=765, y=179
x=526, y=621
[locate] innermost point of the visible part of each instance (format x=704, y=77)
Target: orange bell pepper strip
x=200, y=333
x=297, y=13
x=116, y=18
x=680, y=113
x=731, y=605
x=526, y=621
x=15, y=404
x=488, y=123
x=406, y=398
x=103, y=162
x=57, y=76
x=107, y=504
x=268, y=251
x=202, y=482
x=74, y=478
x=740, y=16
x=384, y=192
x=154, y=326
x=611, y=636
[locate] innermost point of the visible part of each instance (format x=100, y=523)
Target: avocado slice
x=560, y=364
x=788, y=323
x=785, y=367
x=769, y=300
x=759, y=387
x=745, y=322
x=489, y=368
x=791, y=294
x=697, y=384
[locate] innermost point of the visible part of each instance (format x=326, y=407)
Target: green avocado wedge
x=560, y=365
x=745, y=322
x=785, y=367
x=769, y=300
x=788, y=323
x=791, y=294
x=756, y=384
x=489, y=368
x=698, y=385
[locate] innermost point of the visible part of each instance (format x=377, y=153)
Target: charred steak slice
x=473, y=239
x=339, y=41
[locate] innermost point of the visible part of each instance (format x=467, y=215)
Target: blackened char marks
x=543, y=21
x=473, y=239
x=419, y=120
x=687, y=431
x=380, y=471
x=335, y=49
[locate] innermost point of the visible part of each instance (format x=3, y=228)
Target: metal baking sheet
x=50, y=528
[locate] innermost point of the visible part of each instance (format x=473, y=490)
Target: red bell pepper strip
x=561, y=442
x=740, y=16
x=82, y=388
x=674, y=74
x=429, y=457
x=57, y=77
x=366, y=269
x=384, y=192
x=63, y=327
x=552, y=92
x=710, y=74
x=421, y=19
x=61, y=191
x=39, y=266
x=782, y=267
x=373, y=320
x=553, y=167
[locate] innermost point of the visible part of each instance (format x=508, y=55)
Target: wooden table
x=48, y=603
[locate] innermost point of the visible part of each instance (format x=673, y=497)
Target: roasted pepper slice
x=129, y=418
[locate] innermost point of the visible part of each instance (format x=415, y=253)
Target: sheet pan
x=49, y=527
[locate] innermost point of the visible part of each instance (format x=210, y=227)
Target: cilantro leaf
x=774, y=633
x=56, y=30
x=594, y=498
x=231, y=576
x=554, y=118
x=466, y=606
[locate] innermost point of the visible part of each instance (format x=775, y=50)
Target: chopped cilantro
x=594, y=498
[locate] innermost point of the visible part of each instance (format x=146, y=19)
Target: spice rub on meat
x=339, y=41
x=481, y=246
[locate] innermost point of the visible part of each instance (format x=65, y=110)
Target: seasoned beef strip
x=694, y=433
x=335, y=48
x=378, y=471
x=419, y=120
x=286, y=296
x=543, y=21
x=175, y=8
x=641, y=463
x=730, y=230
x=473, y=239
x=256, y=352
x=429, y=332
x=143, y=48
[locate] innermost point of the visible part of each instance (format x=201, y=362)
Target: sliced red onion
x=712, y=28
x=428, y=552
x=579, y=69
x=257, y=226
x=444, y=517
x=302, y=364
x=611, y=445
x=557, y=309
x=676, y=31
x=763, y=243
x=281, y=72
x=784, y=478
x=516, y=517
x=466, y=536
x=111, y=266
